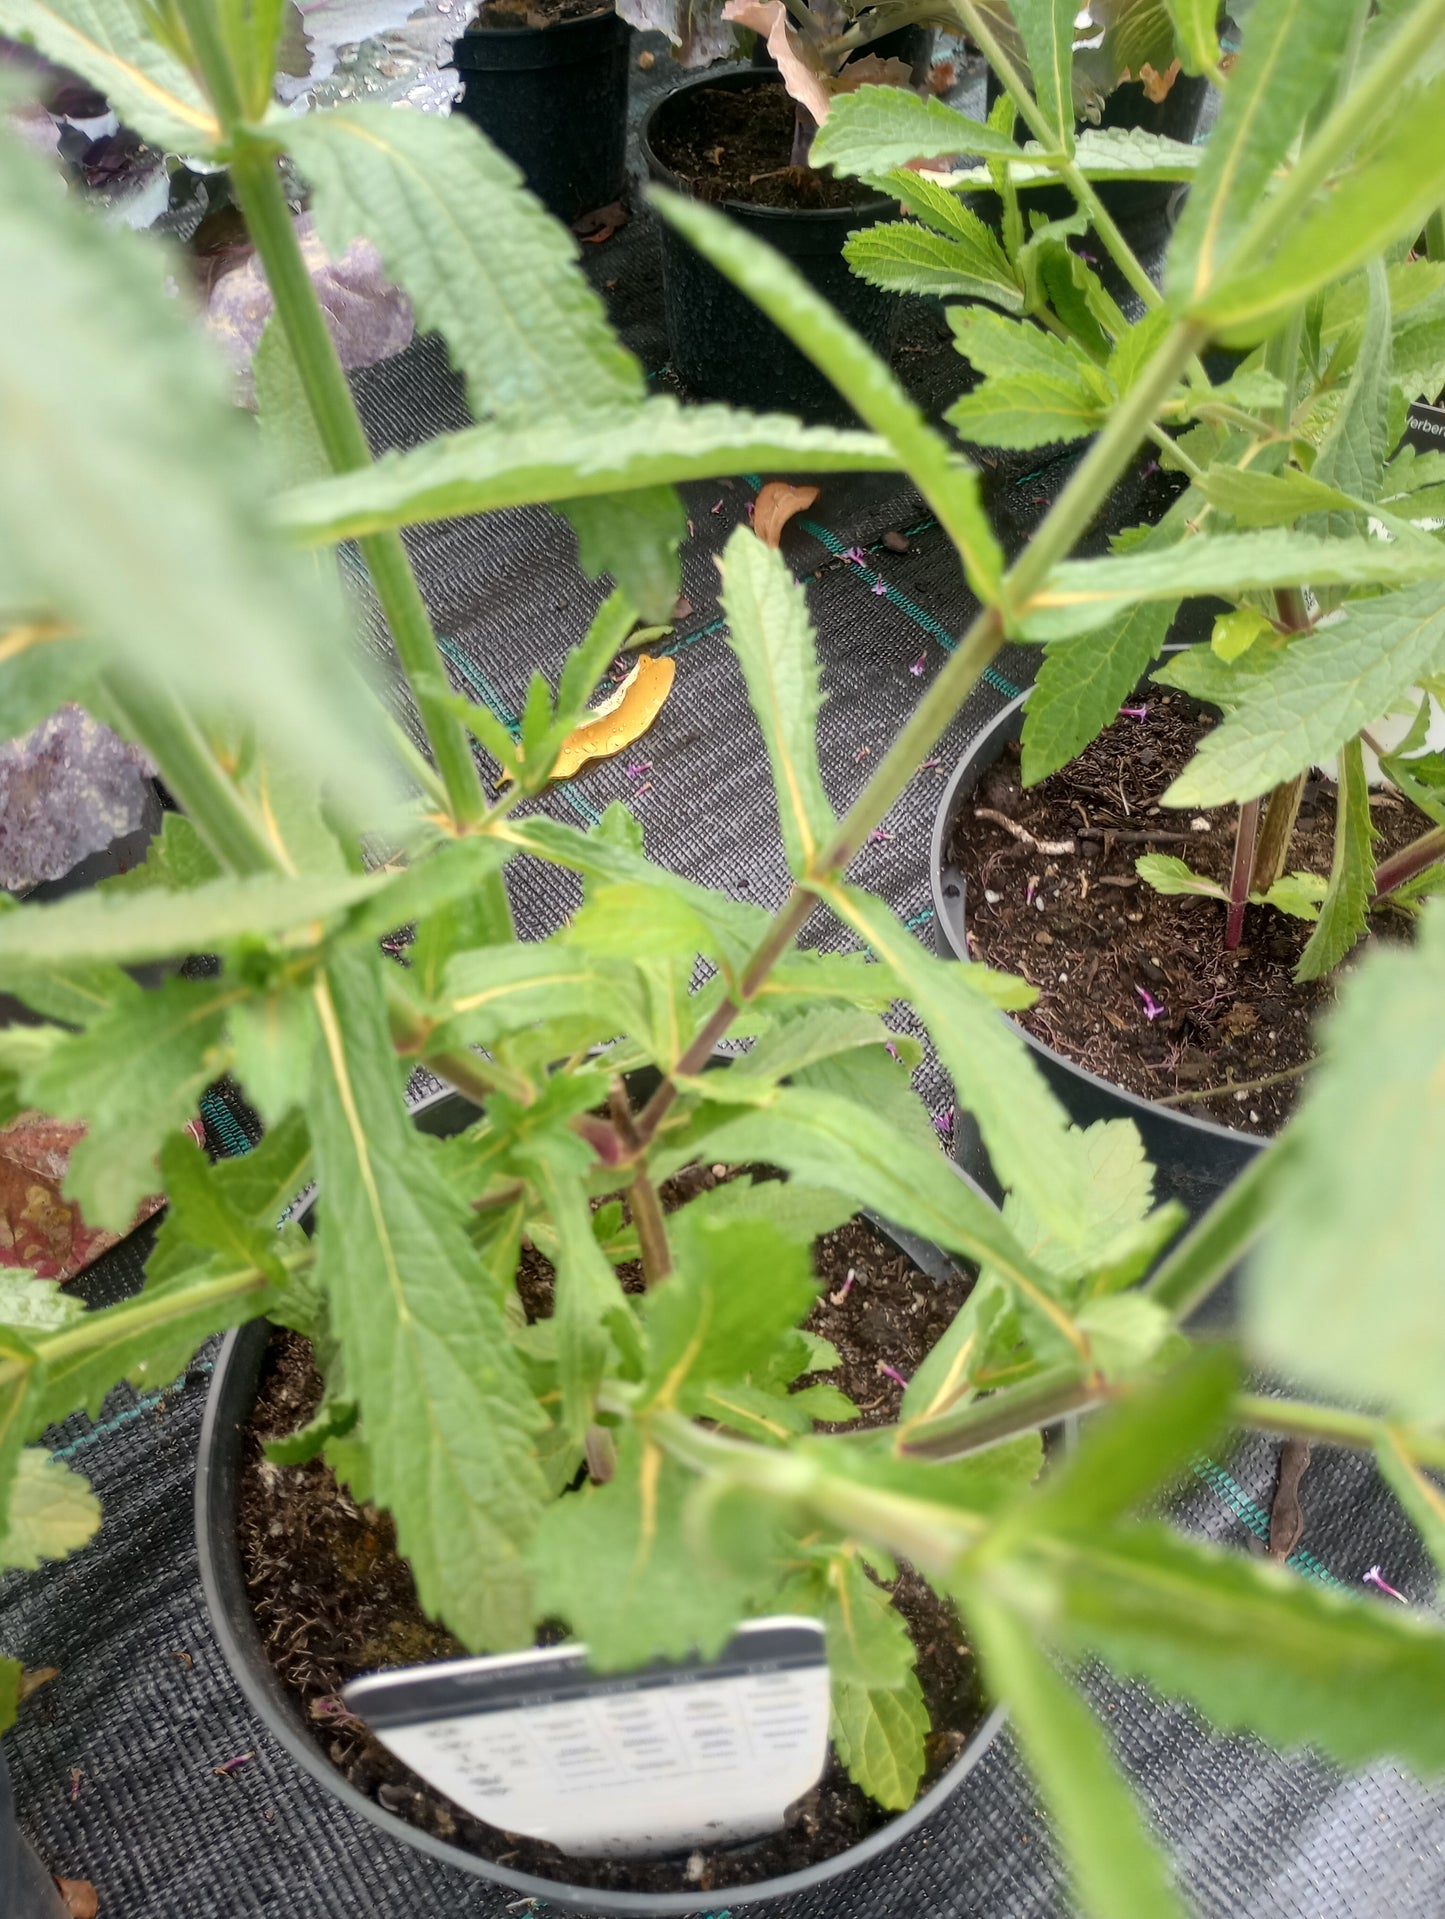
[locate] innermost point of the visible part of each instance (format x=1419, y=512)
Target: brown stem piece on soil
x=1275, y=833
x=1022, y=833
x=1409, y=861
x=642, y=1197
x=1238, y=1086
x=1239, y=873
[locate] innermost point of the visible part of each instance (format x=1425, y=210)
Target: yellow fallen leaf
x=776, y=505
x=622, y=718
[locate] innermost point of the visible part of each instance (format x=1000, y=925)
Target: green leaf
x=1199, y=672
x=98, y=354
x=1026, y=410
x=1298, y=894
x=740, y=1288
x=879, y=1735
x=177, y=860
x=1362, y=1196
x=133, y=1076
x=1233, y=634
x=903, y=258
x=798, y=1040
x=574, y=455
x=767, y=616
x=147, y=1340
x=334, y=1420
x=617, y=1562
x=1116, y=1871
x=591, y=1313
x=1196, y=33
x=52, y=1513
x=214, y=1206
x=41, y=668
x=1254, y=499
x=1317, y=694
x=502, y=989
x=1394, y=187
x=634, y=537
x=1047, y=28
x=445, y=1407
x=1024, y=1128
x=814, y=325
x=947, y=214
x=994, y=345
x=283, y=411
x=1416, y=1492
x=156, y=923
x=829, y=1141
x=873, y=130
x=1168, y=874
x=1083, y=682
x=272, y=1035
x=1256, y=1648
x=35, y=1305
x=1353, y=452
x=454, y=226
x=1344, y=915
x=1079, y=595
x=109, y=41
x=1291, y=53
x=11, y=1673
x=1100, y=153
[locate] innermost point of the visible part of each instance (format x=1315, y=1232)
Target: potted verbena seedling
x=555, y=1350
x=1152, y=1005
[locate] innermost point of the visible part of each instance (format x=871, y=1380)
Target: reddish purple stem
x=1239, y=873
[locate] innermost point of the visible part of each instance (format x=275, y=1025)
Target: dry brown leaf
x=600, y=224
x=1157, y=85
x=941, y=76
x=872, y=71
x=78, y=1896
x=776, y=504
x=32, y=1681
x=620, y=719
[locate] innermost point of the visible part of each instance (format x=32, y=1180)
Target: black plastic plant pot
x=722, y=346
x=1194, y=1159
x=218, y=1487
x=1175, y=117
x=554, y=100
x=912, y=45
x=1425, y=429
x=27, y=1890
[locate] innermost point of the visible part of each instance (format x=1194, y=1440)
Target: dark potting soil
x=736, y=143
x=333, y=1599
x=1134, y=985
x=496, y=14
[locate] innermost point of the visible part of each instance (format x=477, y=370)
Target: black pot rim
x=949, y=916
x=561, y=43
x=743, y=78
x=221, y=1581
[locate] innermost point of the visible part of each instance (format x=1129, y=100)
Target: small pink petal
x=891, y=1372
x=879, y=589
x=917, y=671
x=943, y=1122
x=1374, y=1578
x=638, y=768
x=879, y=834
x=717, y=508
x=923, y=765
x=1029, y=891
x=855, y=554
x=748, y=509
x=1135, y=712
x=1152, y=1009
x=889, y=1047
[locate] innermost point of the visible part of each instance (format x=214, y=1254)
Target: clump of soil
x=535, y=13
x=736, y=143
x=1135, y=985
x=333, y=1599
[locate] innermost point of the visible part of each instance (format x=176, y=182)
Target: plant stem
x=1237, y=1086
x=1082, y=189
x=1333, y=1426
x=1070, y=515
x=1036, y=1402
x=268, y=220
x=1409, y=861
x=1240, y=869
x=214, y=804
x=147, y=1311
x=1435, y=235
x=1271, y=850
x=642, y=1194
x=1216, y=1243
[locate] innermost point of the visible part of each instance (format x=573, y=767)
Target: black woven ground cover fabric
x=115, y=1761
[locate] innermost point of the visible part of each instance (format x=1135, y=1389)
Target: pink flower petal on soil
x=1152, y=1009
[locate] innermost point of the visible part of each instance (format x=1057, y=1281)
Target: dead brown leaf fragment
x=776, y=504
x=622, y=718
x=600, y=224
x=1157, y=85
x=78, y=1896
x=32, y=1681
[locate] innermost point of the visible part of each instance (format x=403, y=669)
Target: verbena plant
x=178, y=580
x=1302, y=508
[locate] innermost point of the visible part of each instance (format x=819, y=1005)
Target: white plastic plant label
x=662, y=1760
